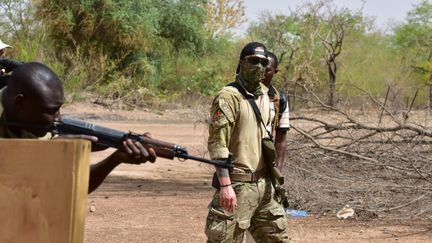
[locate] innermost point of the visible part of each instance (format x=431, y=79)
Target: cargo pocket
x=216, y=225
x=238, y=188
x=244, y=224
x=279, y=219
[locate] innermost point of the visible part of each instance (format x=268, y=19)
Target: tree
x=19, y=27
x=332, y=26
x=104, y=37
x=122, y=42
x=182, y=24
x=281, y=34
x=414, y=42
x=311, y=32
x=224, y=15
x=286, y=37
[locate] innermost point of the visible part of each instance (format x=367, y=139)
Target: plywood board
x=43, y=190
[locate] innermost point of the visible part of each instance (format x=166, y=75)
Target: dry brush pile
x=378, y=162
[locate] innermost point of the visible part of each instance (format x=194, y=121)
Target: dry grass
x=337, y=158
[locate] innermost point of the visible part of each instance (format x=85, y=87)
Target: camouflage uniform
x=235, y=129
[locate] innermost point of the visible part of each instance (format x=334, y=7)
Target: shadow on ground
x=129, y=186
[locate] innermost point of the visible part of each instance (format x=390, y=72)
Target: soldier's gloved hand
x=228, y=198
x=133, y=152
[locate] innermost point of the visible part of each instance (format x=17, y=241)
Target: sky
x=384, y=11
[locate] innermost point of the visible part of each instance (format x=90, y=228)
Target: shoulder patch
x=226, y=110
x=216, y=116
x=218, y=119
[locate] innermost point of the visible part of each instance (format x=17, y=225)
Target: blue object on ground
x=296, y=213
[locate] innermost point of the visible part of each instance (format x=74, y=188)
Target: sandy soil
x=167, y=201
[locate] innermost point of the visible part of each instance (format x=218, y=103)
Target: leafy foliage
x=182, y=24
x=170, y=48
x=305, y=40
x=414, y=40
x=19, y=28
x=125, y=41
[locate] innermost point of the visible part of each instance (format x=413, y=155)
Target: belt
x=249, y=177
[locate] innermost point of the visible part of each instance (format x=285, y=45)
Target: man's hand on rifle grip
x=133, y=152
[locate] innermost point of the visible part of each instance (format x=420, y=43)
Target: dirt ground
x=167, y=201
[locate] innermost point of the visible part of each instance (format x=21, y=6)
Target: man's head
x=34, y=95
x=252, y=64
x=272, y=68
x=3, y=46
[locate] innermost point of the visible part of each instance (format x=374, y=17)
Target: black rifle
x=113, y=138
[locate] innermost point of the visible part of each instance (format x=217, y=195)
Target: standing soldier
x=279, y=110
x=279, y=117
x=245, y=198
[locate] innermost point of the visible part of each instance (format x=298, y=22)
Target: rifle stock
x=113, y=138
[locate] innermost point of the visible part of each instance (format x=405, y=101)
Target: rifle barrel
x=219, y=163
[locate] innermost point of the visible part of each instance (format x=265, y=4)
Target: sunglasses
x=254, y=60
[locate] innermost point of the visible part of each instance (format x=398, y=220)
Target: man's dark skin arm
x=280, y=144
x=131, y=153
x=99, y=171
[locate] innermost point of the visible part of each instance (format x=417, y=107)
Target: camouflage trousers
x=257, y=210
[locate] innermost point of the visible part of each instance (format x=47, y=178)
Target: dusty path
x=167, y=201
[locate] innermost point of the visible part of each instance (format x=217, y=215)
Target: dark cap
x=253, y=48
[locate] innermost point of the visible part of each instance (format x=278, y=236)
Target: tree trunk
x=430, y=93
x=292, y=98
x=430, y=81
x=332, y=68
x=286, y=81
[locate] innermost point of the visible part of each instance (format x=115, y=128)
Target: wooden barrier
x=43, y=190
